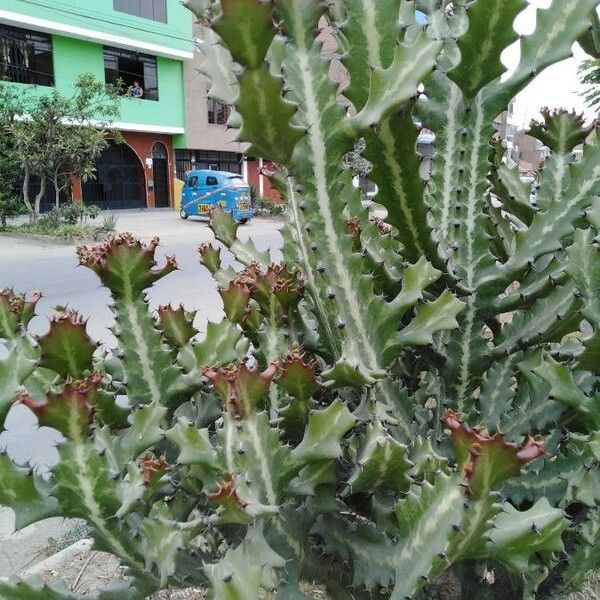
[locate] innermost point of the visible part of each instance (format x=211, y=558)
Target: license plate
x=206, y=208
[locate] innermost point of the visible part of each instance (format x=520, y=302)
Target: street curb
x=56, y=561
x=45, y=239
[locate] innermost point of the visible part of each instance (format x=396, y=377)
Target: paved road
x=27, y=266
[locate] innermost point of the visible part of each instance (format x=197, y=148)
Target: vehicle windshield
x=237, y=182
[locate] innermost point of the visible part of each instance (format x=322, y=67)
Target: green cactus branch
x=404, y=399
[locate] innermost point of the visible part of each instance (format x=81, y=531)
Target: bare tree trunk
x=26, y=199
x=38, y=198
x=56, y=191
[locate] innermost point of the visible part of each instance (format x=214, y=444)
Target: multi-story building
x=209, y=144
x=140, y=43
x=530, y=153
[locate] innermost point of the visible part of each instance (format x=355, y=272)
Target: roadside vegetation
x=47, y=140
x=72, y=221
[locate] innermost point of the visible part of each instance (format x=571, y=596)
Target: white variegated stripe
x=391, y=159
x=506, y=367
x=449, y=157
x=560, y=167
x=484, y=55
x=470, y=268
x=272, y=356
x=465, y=352
x=229, y=430
x=264, y=107
x=317, y=148
x=478, y=515
x=474, y=189
x=383, y=465
x=430, y=521
x=584, y=189
x=86, y=491
x=142, y=353
x=290, y=540
x=587, y=273
x=308, y=269
x=412, y=64
x=371, y=33
x=317, y=144
x=259, y=451
x=556, y=308
x=560, y=22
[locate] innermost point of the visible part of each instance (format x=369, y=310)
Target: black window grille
x=156, y=10
x=131, y=73
x=26, y=56
x=218, y=113
x=188, y=160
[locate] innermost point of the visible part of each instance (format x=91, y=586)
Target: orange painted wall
x=141, y=144
x=254, y=176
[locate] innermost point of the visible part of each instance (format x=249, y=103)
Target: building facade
x=208, y=142
x=142, y=45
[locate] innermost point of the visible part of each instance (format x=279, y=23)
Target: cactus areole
x=404, y=404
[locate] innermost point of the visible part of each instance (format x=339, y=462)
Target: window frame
x=149, y=66
x=215, y=107
x=36, y=43
x=119, y=6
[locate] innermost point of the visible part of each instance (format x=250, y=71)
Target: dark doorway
x=160, y=171
x=119, y=180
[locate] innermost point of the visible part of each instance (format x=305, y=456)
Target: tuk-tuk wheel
x=243, y=221
x=183, y=214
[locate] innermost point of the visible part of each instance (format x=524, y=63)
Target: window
x=188, y=160
x=133, y=73
x=192, y=182
x=156, y=10
x=26, y=56
x=236, y=182
x=210, y=180
x=218, y=113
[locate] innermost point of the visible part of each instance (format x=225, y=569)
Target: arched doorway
x=120, y=181
x=160, y=173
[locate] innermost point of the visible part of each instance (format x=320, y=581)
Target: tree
x=75, y=145
x=55, y=137
x=10, y=99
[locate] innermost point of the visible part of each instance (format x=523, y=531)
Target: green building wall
x=73, y=56
x=99, y=15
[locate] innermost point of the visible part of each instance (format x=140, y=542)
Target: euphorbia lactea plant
x=401, y=407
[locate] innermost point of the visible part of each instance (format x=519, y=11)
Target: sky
x=556, y=87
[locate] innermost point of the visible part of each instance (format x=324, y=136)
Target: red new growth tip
x=298, y=376
x=15, y=310
x=69, y=410
x=153, y=468
x=227, y=493
x=488, y=460
x=125, y=265
x=240, y=388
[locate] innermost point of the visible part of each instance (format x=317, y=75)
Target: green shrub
x=71, y=213
x=400, y=409
x=10, y=206
x=265, y=207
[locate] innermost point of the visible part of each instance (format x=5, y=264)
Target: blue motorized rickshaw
x=204, y=190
